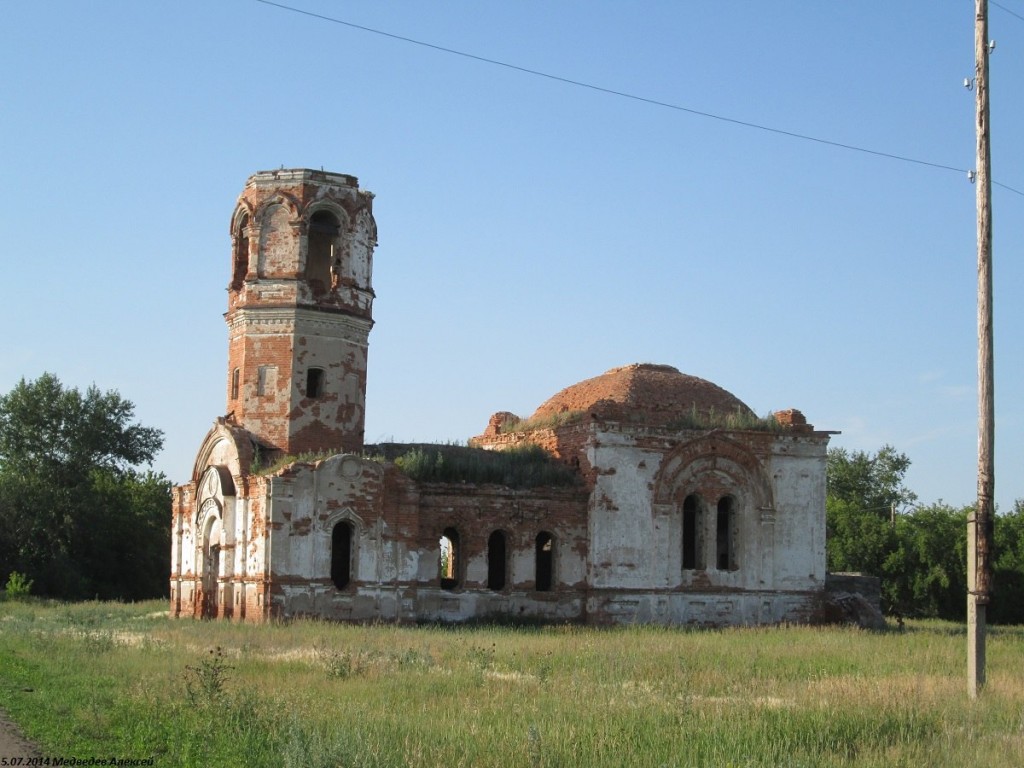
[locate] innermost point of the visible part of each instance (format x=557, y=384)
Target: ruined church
x=683, y=508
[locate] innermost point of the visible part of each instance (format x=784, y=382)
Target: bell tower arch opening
x=240, y=264
x=323, y=251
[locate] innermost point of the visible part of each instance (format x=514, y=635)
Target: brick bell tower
x=300, y=310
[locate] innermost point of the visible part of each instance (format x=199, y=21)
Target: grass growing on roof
x=276, y=465
x=549, y=421
x=525, y=466
x=738, y=420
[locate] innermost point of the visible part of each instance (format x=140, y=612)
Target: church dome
x=643, y=394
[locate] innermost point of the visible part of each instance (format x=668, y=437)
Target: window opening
x=321, y=249
x=449, y=558
x=725, y=546
x=496, y=561
x=314, y=382
x=235, y=374
x=545, y=561
x=341, y=554
x=691, y=533
x=241, y=265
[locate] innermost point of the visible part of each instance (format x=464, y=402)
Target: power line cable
x=1012, y=13
x=633, y=97
x=1004, y=8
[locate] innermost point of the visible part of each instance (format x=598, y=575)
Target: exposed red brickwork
x=642, y=393
x=793, y=419
x=498, y=422
x=566, y=443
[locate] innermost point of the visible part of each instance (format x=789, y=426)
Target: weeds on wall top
x=549, y=421
x=738, y=419
x=276, y=465
x=522, y=466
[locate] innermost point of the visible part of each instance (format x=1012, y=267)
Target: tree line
x=78, y=518
x=919, y=551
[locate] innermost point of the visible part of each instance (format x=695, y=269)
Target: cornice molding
x=278, y=320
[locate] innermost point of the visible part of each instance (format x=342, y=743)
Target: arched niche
x=278, y=255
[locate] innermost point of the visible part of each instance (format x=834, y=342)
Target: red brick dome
x=643, y=393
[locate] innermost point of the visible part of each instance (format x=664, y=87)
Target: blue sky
x=532, y=233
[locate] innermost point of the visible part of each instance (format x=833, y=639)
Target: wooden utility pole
x=979, y=527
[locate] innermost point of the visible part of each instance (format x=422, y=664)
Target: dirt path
x=12, y=743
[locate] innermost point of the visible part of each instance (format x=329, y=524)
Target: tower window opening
x=545, y=561
x=450, y=555
x=241, y=262
x=322, y=247
x=725, y=544
x=314, y=382
x=496, y=565
x=341, y=554
x=235, y=375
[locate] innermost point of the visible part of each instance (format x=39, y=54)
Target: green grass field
x=113, y=680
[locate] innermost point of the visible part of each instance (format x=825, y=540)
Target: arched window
x=241, y=260
x=545, y=575
x=450, y=558
x=341, y=554
x=496, y=566
x=725, y=544
x=693, y=556
x=320, y=253
x=235, y=374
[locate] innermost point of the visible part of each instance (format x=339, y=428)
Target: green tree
x=861, y=491
x=927, y=572
x=870, y=482
x=857, y=540
x=76, y=516
x=920, y=555
x=1008, y=595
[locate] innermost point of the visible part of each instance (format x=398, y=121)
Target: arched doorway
x=211, y=567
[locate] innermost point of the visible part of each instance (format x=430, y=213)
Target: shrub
x=18, y=586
